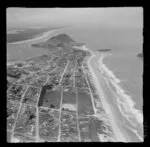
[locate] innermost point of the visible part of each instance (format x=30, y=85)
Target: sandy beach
x=119, y=136
x=111, y=105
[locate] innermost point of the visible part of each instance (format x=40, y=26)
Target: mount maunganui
x=61, y=40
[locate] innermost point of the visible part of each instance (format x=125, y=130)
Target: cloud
x=75, y=16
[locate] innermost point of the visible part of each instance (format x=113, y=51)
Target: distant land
x=140, y=55
x=104, y=50
x=62, y=41
x=21, y=34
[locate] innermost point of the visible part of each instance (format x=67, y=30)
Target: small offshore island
x=140, y=55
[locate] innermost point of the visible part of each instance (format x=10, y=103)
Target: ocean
x=129, y=69
x=24, y=34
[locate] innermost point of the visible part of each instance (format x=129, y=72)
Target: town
x=52, y=98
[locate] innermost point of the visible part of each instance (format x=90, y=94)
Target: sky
x=39, y=17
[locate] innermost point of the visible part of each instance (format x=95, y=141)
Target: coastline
x=121, y=95
x=118, y=134
x=127, y=121
x=127, y=103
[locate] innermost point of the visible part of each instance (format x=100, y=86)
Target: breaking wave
x=124, y=101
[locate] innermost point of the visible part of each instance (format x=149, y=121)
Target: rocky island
x=140, y=55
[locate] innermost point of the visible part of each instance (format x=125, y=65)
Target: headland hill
x=62, y=41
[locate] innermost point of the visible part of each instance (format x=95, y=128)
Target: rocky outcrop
x=140, y=55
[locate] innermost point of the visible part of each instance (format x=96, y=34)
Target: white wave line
x=122, y=97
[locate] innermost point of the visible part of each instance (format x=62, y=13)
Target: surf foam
x=118, y=134
x=124, y=100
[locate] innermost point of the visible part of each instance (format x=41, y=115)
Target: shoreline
x=108, y=79
x=106, y=105
x=118, y=134
x=127, y=103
